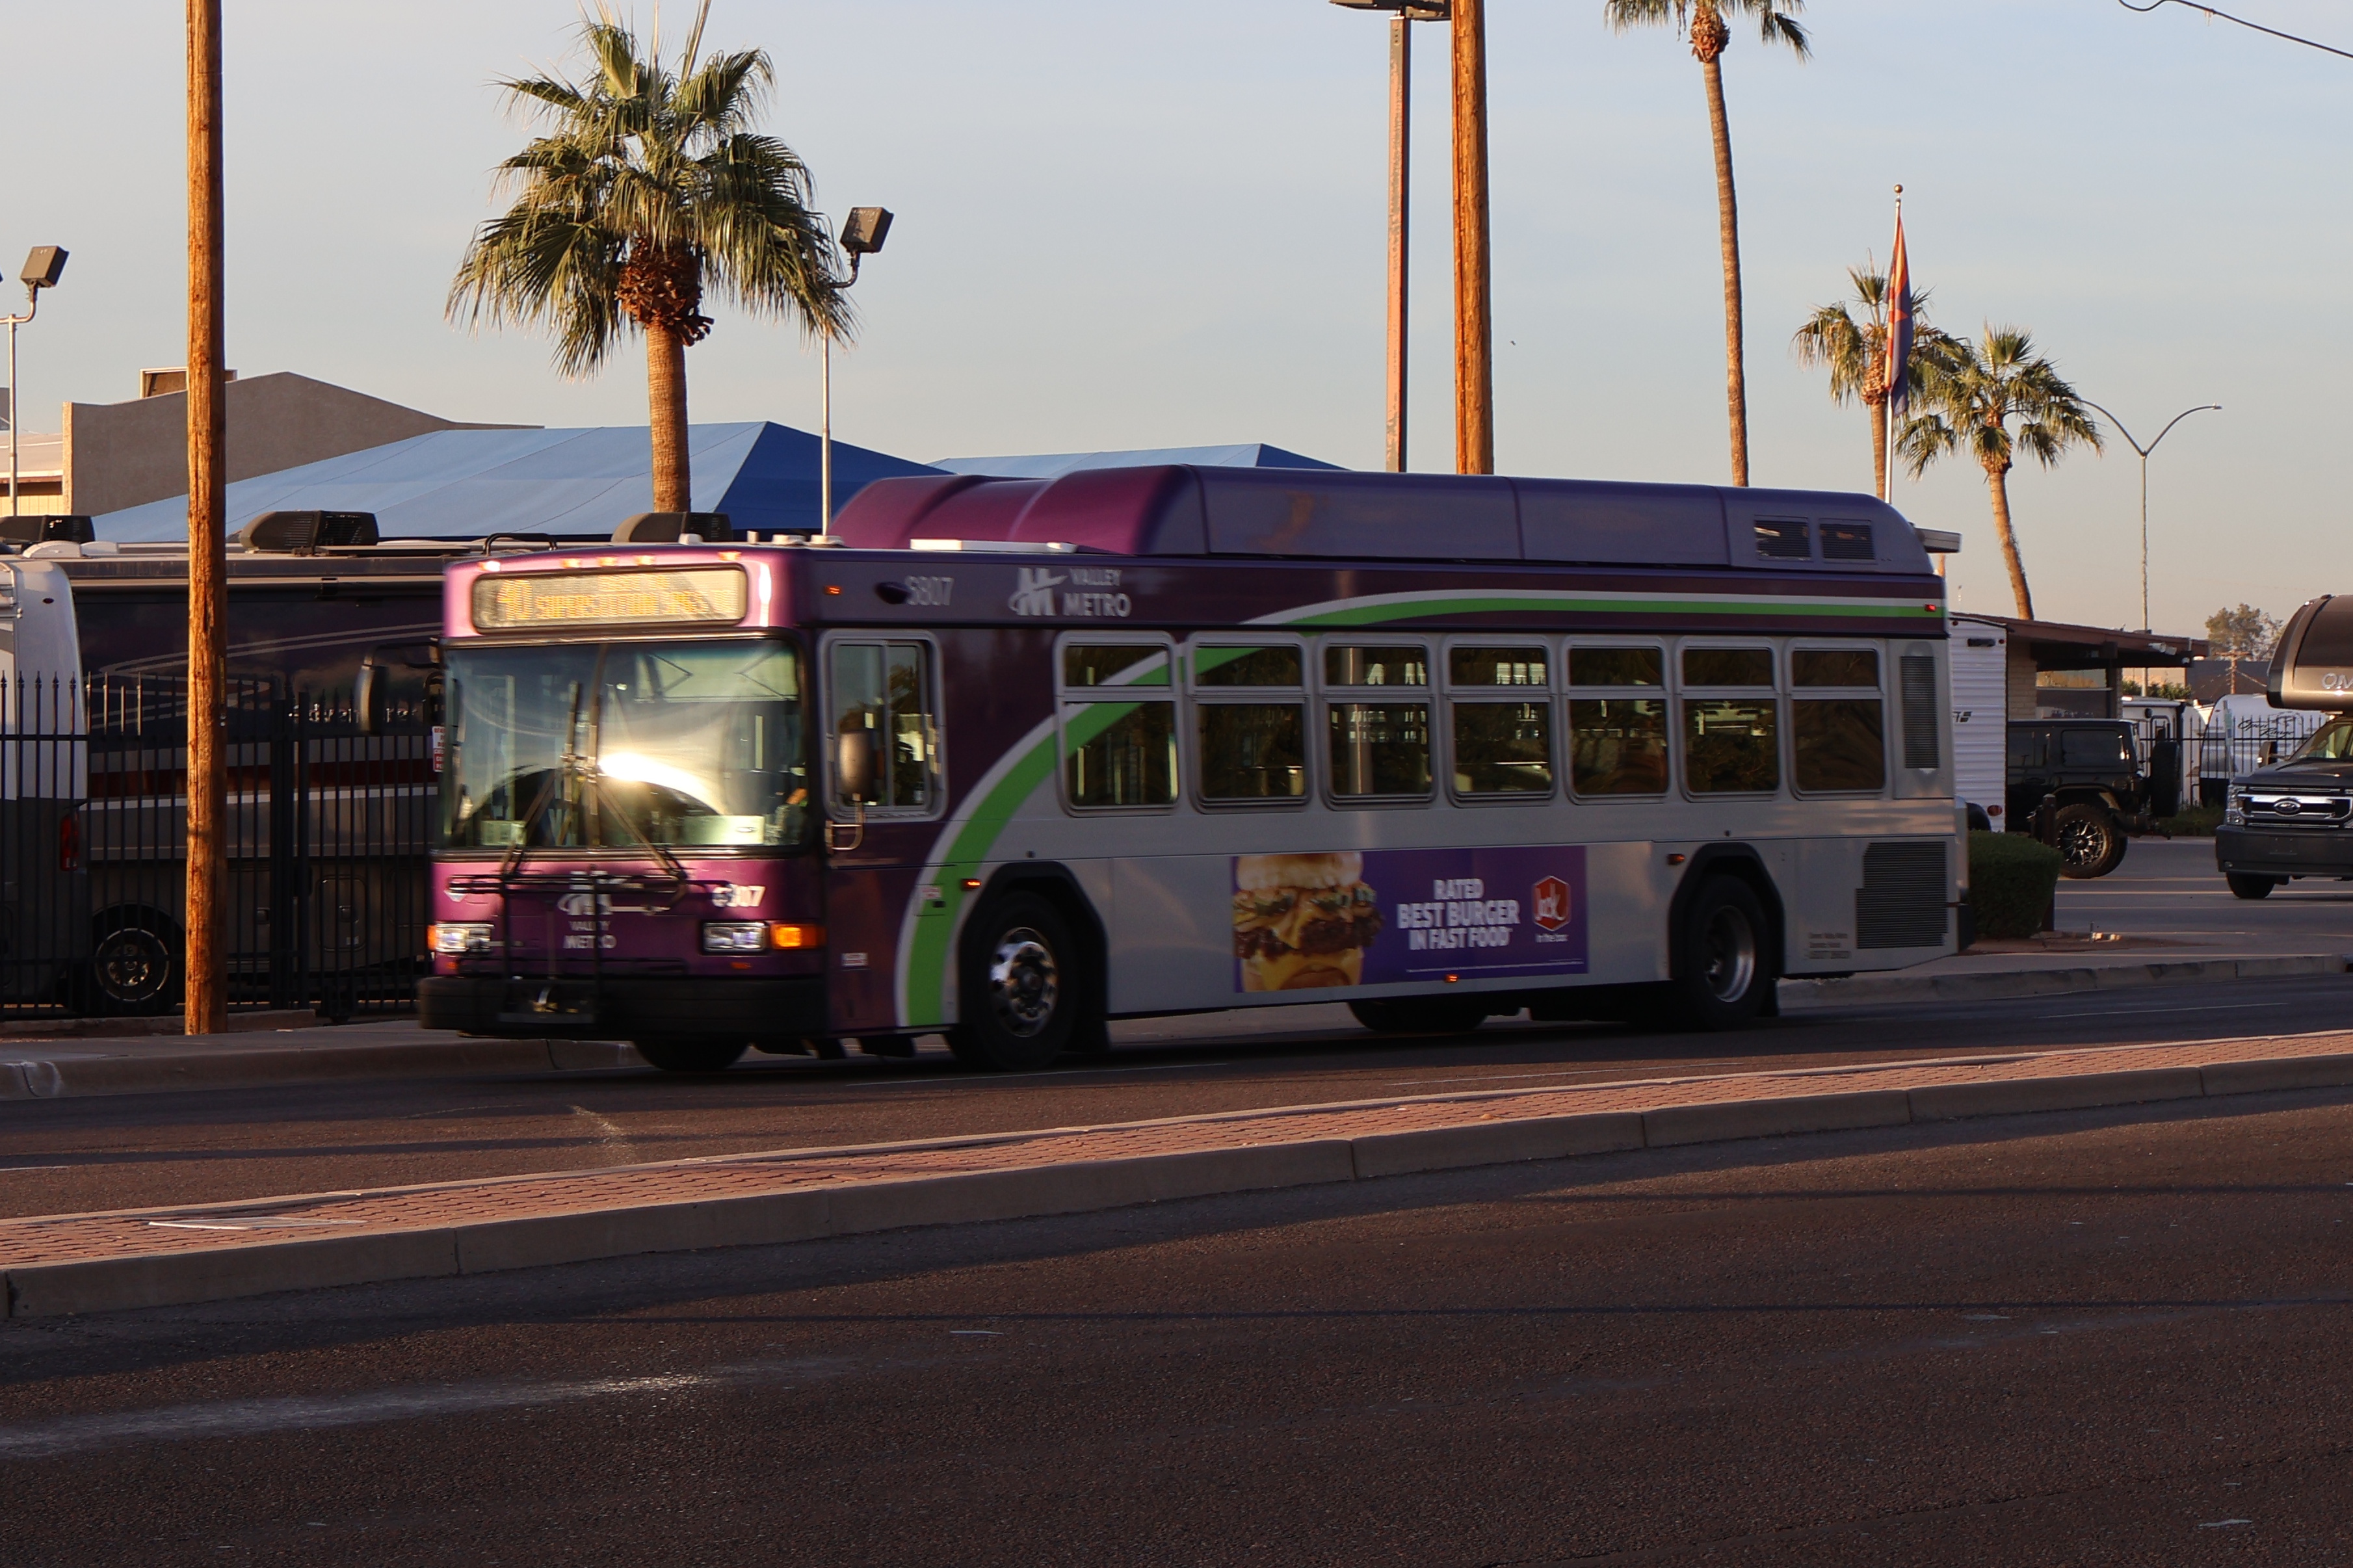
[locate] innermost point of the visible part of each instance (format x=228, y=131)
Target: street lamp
x=2144, y=452
x=1401, y=14
x=43, y=267
x=861, y=236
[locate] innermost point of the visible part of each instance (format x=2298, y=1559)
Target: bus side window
x=885, y=689
x=1118, y=725
x=1251, y=750
x=1731, y=741
x=1501, y=748
x=1837, y=720
x=1617, y=739
x=1380, y=745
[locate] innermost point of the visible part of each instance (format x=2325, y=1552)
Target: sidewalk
x=104, y=1262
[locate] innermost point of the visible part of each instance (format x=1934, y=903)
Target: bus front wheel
x=1726, y=967
x=1021, y=999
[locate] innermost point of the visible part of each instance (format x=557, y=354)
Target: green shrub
x=2196, y=822
x=2011, y=877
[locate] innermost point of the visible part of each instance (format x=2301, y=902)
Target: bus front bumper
x=624, y=1007
x=2292, y=852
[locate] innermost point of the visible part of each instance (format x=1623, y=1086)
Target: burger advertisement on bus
x=1317, y=921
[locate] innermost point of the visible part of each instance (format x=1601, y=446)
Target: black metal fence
x=328, y=832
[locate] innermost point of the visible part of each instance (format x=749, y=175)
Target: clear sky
x=1128, y=225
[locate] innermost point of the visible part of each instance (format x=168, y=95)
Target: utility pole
x=1400, y=194
x=208, y=864
x=1474, y=337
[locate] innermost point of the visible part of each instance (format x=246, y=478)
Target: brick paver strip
x=220, y=1227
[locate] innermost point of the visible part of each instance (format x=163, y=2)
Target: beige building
x=114, y=454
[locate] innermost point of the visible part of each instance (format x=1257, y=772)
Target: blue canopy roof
x=1054, y=465
x=463, y=484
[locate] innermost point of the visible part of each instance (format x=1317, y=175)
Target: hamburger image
x=1302, y=922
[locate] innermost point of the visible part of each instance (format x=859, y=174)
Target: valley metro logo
x=1035, y=593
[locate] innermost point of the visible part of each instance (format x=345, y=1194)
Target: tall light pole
x=43, y=267
x=1402, y=14
x=206, y=1007
x=1474, y=334
x=2144, y=452
x=862, y=235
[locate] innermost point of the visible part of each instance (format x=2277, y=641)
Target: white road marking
x=248, y=1417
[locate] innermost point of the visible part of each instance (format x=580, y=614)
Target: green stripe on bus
x=1375, y=614
x=973, y=839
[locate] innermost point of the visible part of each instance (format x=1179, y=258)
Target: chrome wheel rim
x=2082, y=843
x=1731, y=949
x=1024, y=982
x=134, y=966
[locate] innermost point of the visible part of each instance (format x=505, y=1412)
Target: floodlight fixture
x=44, y=266
x=1411, y=10
x=866, y=230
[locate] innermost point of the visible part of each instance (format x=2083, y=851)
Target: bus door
x=884, y=784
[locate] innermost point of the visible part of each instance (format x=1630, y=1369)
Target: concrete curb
x=67, y=1077
x=1877, y=990
x=317, y=1262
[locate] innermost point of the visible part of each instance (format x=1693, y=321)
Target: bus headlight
x=734, y=936
x=455, y=940
x=759, y=936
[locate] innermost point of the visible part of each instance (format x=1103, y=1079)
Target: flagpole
x=1887, y=368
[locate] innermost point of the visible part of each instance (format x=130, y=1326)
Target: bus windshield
x=625, y=744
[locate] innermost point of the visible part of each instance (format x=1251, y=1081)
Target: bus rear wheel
x=1418, y=1015
x=1727, y=968
x=1021, y=999
x=691, y=1054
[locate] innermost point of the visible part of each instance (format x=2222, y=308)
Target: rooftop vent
x=669, y=527
x=307, y=532
x=40, y=530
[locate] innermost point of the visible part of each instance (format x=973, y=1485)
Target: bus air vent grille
x=1902, y=901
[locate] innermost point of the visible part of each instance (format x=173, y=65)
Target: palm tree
x=1972, y=392
x=649, y=184
x=1855, y=353
x=1777, y=22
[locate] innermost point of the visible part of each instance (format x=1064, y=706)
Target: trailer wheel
x=691, y=1054
x=2090, y=840
x=1020, y=999
x=2246, y=887
x=1420, y=1014
x=134, y=964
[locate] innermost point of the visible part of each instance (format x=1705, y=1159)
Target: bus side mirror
x=853, y=764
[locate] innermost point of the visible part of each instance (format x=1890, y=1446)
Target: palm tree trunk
x=1878, y=449
x=666, y=402
x=1998, y=481
x=1735, y=378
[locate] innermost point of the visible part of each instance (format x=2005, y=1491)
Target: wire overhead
x=2242, y=21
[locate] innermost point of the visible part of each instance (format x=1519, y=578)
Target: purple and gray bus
x=1006, y=759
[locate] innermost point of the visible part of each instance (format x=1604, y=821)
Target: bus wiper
x=563, y=771
x=593, y=776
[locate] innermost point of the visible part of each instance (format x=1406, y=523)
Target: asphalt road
x=2171, y=890
x=146, y=1151
x=2101, y=1338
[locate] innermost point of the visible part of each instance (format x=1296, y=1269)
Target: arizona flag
x=1899, y=323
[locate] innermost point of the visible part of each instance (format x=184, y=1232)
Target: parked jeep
x=2094, y=766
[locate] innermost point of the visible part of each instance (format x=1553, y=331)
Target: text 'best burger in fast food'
x=1302, y=921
